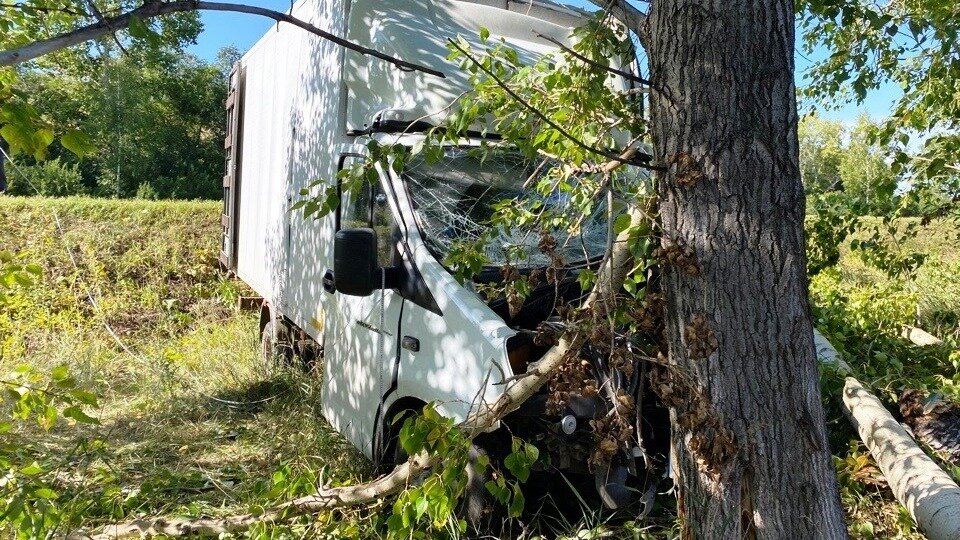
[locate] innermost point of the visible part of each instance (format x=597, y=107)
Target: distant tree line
x=153, y=115
x=846, y=162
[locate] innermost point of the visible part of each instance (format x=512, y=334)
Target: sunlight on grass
x=190, y=422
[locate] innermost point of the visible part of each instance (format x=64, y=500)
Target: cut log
x=929, y=493
x=920, y=337
x=934, y=421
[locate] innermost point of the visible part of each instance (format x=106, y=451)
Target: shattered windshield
x=455, y=197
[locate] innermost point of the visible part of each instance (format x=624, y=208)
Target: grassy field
x=190, y=423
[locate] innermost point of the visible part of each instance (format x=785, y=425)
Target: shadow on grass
x=253, y=398
x=198, y=454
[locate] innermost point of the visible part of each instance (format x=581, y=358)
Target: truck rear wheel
x=275, y=352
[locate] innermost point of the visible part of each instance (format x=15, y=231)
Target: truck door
x=231, y=175
x=360, y=334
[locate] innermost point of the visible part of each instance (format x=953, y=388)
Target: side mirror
x=355, y=270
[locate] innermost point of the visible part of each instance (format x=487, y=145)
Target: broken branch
x=641, y=159
x=625, y=74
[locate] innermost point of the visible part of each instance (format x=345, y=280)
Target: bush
x=146, y=191
x=827, y=224
x=52, y=178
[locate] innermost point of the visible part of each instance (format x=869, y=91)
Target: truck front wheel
x=477, y=506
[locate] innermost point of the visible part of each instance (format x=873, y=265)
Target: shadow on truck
x=367, y=285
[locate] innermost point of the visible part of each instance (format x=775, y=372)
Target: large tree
x=724, y=116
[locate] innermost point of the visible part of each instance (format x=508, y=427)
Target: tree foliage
x=911, y=45
x=153, y=121
x=840, y=159
x=136, y=105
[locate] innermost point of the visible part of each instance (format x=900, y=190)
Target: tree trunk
x=750, y=448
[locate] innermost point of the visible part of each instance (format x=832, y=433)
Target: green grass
x=935, y=283
x=190, y=422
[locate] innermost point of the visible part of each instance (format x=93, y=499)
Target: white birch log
x=929, y=493
x=920, y=337
x=827, y=353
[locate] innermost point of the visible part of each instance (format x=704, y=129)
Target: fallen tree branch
x=483, y=417
x=156, y=8
x=929, y=493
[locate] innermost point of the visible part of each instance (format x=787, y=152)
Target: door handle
x=328, y=283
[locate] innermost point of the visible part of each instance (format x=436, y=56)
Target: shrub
x=52, y=178
x=146, y=191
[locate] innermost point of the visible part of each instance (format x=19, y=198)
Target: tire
x=274, y=352
x=484, y=516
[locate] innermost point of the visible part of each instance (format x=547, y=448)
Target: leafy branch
x=156, y=8
x=641, y=160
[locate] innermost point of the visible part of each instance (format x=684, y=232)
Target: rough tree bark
x=723, y=115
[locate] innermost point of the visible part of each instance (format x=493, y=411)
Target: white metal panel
x=318, y=142
x=462, y=362
x=271, y=87
x=363, y=334
x=417, y=31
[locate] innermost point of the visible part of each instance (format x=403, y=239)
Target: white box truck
x=301, y=108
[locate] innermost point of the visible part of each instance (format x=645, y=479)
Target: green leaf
x=484, y=33
x=60, y=372
x=139, y=29
x=76, y=413
x=87, y=398
x=517, y=466
x=45, y=493
x=23, y=280
x=586, y=279
x=49, y=417
x=500, y=492
x=17, y=136
x=32, y=470
x=420, y=505
x=77, y=142
x=518, y=502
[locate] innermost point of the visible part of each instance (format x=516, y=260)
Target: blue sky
x=242, y=31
